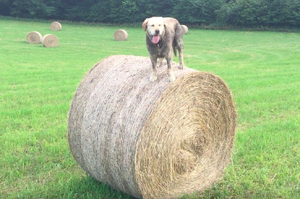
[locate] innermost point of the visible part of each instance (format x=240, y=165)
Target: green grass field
x=37, y=85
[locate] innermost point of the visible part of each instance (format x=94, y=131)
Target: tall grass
x=37, y=85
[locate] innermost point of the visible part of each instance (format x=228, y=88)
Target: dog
x=164, y=37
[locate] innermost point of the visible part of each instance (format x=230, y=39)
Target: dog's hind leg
x=179, y=45
x=180, y=52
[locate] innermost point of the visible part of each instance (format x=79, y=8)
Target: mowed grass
x=37, y=85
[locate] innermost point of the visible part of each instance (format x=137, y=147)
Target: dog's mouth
x=155, y=39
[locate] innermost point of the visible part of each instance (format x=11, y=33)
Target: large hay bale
x=50, y=40
x=185, y=29
x=56, y=26
x=121, y=35
x=151, y=139
x=34, y=37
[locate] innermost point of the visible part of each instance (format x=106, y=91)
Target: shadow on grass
x=87, y=187
x=76, y=188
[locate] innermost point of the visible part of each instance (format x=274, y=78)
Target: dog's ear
x=144, y=24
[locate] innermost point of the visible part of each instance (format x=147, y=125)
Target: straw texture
x=34, y=37
x=185, y=29
x=50, y=40
x=151, y=139
x=56, y=26
x=121, y=35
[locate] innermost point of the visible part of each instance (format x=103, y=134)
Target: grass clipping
x=151, y=139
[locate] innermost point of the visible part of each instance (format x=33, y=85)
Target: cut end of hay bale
x=151, y=139
x=184, y=29
x=120, y=35
x=186, y=142
x=56, y=26
x=50, y=40
x=34, y=37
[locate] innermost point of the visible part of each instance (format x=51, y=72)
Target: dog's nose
x=156, y=32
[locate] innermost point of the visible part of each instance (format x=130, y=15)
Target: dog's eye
x=152, y=25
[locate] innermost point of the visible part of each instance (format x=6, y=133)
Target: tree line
x=246, y=13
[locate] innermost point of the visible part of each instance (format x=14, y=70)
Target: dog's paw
x=159, y=65
x=153, y=77
x=180, y=66
x=171, y=77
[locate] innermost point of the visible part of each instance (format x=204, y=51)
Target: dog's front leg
x=169, y=59
x=153, y=75
x=160, y=62
x=180, y=52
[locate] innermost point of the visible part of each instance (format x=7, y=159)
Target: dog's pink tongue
x=155, y=39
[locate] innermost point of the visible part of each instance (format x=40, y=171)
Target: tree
x=32, y=8
x=197, y=11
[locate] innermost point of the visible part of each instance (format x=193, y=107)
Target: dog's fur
x=163, y=37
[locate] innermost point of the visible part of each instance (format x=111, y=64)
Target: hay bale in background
x=151, y=139
x=50, y=40
x=121, y=35
x=34, y=37
x=185, y=29
x=56, y=26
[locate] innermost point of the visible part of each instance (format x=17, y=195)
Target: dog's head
x=155, y=28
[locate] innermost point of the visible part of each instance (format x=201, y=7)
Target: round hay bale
x=185, y=29
x=50, y=40
x=151, y=139
x=121, y=35
x=56, y=26
x=34, y=37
